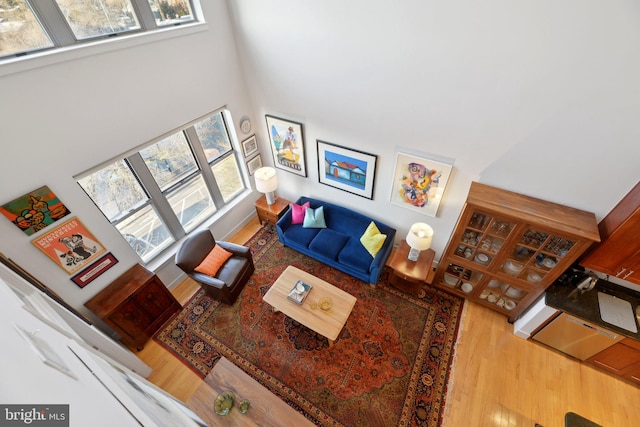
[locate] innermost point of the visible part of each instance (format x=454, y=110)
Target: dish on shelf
x=511, y=292
x=466, y=287
x=509, y=305
x=493, y=283
x=450, y=280
x=549, y=262
x=534, y=277
x=482, y=259
x=513, y=268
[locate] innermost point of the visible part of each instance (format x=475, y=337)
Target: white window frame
x=157, y=199
x=78, y=49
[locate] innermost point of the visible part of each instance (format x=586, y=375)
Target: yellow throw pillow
x=212, y=263
x=372, y=239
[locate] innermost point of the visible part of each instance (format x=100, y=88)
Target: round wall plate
x=245, y=125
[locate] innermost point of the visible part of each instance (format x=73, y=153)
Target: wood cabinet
x=619, y=252
x=135, y=305
x=622, y=359
x=507, y=248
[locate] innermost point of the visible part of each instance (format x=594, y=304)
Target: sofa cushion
x=314, y=218
x=213, y=261
x=297, y=212
x=328, y=243
x=372, y=239
x=300, y=236
x=355, y=255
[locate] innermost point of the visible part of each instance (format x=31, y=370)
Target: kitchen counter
x=584, y=305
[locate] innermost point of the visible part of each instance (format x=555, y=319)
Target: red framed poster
x=70, y=245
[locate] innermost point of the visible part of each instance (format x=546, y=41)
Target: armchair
x=232, y=275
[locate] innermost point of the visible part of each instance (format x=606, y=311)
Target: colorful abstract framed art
x=419, y=183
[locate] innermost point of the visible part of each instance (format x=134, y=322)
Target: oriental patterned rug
x=390, y=365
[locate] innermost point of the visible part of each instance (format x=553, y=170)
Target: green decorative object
x=244, y=406
x=224, y=402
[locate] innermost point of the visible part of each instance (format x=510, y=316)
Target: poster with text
x=70, y=245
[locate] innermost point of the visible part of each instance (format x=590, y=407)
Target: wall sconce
x=419, y=239
x=267, y=183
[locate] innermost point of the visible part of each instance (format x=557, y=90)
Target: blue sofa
x=338, y=245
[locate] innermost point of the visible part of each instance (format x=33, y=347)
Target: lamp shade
x=266, y=179
x=420, y=236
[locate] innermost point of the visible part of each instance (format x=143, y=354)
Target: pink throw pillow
x=297, y=213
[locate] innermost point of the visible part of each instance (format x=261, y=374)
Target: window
x=33, y=25
x=160, y=193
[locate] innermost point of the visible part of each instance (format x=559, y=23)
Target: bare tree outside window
x=20, y=30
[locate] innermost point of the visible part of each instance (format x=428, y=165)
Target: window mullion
x=207, y=173
x=158, y=199
x=53, y=21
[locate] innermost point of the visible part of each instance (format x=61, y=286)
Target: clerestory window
x=28, y=26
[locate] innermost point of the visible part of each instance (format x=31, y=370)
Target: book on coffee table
x=297, y=294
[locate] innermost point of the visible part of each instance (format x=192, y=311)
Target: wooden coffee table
x=266, y=409
x=327, y=323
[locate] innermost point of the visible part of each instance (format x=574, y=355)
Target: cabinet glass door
x=482, y=238
x=461, y=278
x=535, y=254
x=504, y=295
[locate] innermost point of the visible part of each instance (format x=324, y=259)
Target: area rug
x=389, y=366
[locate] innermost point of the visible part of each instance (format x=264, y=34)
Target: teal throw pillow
x=314, y=218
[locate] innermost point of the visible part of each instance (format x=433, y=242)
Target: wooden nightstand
x=273, y=213
x=410, y=275
x=135, y=305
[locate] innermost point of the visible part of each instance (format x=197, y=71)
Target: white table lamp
x=419, y=239
x=267, y=183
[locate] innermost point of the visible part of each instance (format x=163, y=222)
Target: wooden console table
x=266, y=408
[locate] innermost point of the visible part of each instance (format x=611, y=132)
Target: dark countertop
x=584, y=305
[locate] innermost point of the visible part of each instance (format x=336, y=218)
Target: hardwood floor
x=498, y=380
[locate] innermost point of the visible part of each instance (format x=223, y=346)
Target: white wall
x=539, y=97
x=59, y=120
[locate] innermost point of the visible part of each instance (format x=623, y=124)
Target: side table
x=271, y=213
x=410, y=275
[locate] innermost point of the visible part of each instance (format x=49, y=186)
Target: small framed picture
x=249, y=146
x=287, y=145
x=254, y=163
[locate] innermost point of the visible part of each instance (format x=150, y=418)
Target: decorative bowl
x=325, y=303
x=466, y=287
x=224, y=402
x=482, y=259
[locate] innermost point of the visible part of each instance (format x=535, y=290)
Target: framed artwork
x=287, y=145
x=90, y=273
x=255, y=163
x=35, y=210
x=70, y=245
x=419, y=183
x=347, y=169
x=249, y=146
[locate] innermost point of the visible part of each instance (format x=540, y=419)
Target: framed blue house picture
x=347, y=169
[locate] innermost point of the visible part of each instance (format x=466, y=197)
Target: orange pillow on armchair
x=212, y=262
